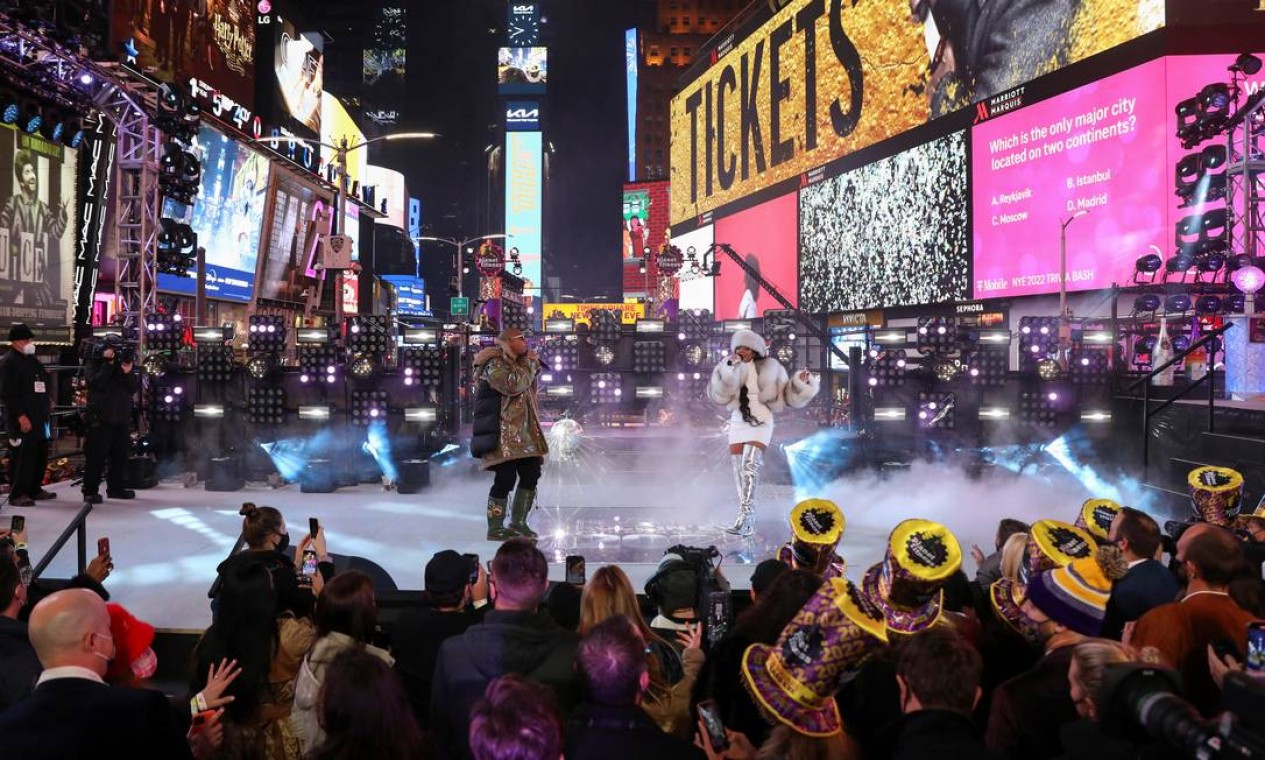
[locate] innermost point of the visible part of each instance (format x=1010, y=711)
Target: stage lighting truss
x=167, y=403
x=215, y=363
x=369, y=335
x=1088, y=366
x=937, y=335
x=937, y=410
x=368, y=407
x=1038, y=339
x=1196, y=176
x=604, y=326
x=606, y=388
x=422, y=366
x=695, y=325
x=561, y=353
x=266, y=406
x=261, y=366
x=649, y=356
x=887, y=368
x=163, y=332
x=175, y=248
x=318, y=364
x=604, y=354
x=987, y=368
x=266, y=333
x=179, y=173
x=1204, y=116
x=1038, y=408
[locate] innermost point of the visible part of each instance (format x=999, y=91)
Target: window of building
x=654, y=51
x=672, y=52
x=685, y=5
x=672, y=21
x=689, y=52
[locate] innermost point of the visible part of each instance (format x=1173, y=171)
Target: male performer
x=27, y=409
x=507, y=434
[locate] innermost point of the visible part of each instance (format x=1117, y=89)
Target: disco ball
x=785, y=354
x=604, y=354
x=1049, y=369
x=565, y=439
x=695, y=353
x=946, y=370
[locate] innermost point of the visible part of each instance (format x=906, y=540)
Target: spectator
x=1013, y=554
x=563, y=602
x=346, y=618
x=269, y=650
x=1096, y=518
x=612, y=725
x=1147, y=584
x=19, y=666
x=817, y=525
x=764, y=575
x=134, y=659
x=672, y=675
x=988, y=568
x=72, y=712
x=1251, y=527
x=762, y=623
x=1065, y=605
x=674, y=591
x=1181, y=631
x=420, y=630
x=268, y=543
x=515, y=720
x=938, y=673
x=364, y=714
x=515, y=637
x=1084, y=738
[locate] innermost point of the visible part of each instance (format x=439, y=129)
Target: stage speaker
x=414, y=476
x=141, y=473
x=318, y=477
x=225, y=474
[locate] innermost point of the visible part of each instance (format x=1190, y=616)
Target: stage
x=619, y=497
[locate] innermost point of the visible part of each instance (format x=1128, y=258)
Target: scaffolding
x=1245, y=179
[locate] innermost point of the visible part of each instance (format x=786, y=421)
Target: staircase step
x=1234, y=448
x=1167, y=504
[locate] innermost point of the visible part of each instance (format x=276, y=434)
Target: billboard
x=631, y=61
x=629, y=313
x=410, y=295
x=524, y=163
x=299, y=68
x=522, y=116
x=227, y=216
x=337, y=126
x=300, y=218
x=390, y=188
x=764, y=236
x=384, y=66
x=37, y=230
x=522, y=70
x=645, y=217
x=697, y=289
x=889, y=233
x=825, y=78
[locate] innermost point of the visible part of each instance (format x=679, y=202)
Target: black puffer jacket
x=19, y=374
x=486, y=429
x=110, y=392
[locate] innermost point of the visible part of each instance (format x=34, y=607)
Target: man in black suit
x=72, y=712
x=1148, y=583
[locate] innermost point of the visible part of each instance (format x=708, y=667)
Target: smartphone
x=1255, y=647
x=200, y=721
x=575, y=570
x=103, y=547
x=719, y=612
x=309, y=562
x=715, y=728
x=313, y=527
x=473, y=559
x=19, y=524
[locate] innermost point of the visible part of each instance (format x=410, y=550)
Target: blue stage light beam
x=291, y=455
x=378, y=445
x=816, y=461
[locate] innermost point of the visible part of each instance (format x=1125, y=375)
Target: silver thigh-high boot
x=747, y=472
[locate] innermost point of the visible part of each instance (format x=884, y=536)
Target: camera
x=94, y=349
x=713, y=605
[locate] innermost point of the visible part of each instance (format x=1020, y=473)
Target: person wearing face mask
x=72, y=712
x=268, y=543
x=24, y=390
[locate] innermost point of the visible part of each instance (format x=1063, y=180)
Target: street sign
x=460, y=306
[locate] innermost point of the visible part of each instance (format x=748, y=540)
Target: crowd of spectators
x=916, y=659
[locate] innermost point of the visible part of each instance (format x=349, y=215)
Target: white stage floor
x=167, y=542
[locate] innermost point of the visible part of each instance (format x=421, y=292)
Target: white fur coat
x=769, y=388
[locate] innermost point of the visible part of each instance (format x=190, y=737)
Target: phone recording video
x=103, y=547
x=309, y=562
x=1255, y=647
x=18, y=525
x=313, y=527
x=473, y=559
x=715, y=728
x=575, y=570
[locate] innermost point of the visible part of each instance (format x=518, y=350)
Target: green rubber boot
x=523, y=502
x=496, y=520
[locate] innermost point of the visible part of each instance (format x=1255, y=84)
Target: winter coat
x=530, y=644
x=18, y=375
x=775, y=390
x=506, y=424
x=110, y=392
x=307, y=687
x=19, y=667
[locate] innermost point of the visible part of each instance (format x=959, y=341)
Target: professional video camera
x=713, y=604
x=93, y=349
x=1141, y=702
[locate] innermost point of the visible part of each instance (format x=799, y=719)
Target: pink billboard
x=765, y=237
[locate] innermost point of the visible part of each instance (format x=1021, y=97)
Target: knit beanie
x=1075, y=595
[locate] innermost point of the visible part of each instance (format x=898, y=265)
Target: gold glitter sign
x=824, y=78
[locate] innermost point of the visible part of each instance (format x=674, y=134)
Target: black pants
x=27, y=463
x=525, y=471
x=112, y=443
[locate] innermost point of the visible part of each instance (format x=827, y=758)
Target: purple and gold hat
x=1007, y=597
x=908, y=584
x=1051, y=544
x=795, y=680
x=1096, y=516
x=817, y=525
x=1215, y=494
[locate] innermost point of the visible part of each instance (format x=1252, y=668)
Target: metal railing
x=78, y=527
x=1145, y=382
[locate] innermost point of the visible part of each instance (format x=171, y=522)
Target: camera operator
x=24, y=388
x=112, y=382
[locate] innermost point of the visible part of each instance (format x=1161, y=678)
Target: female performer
x=754, y=387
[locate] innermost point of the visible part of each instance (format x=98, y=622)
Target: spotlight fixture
x=208, y=411
x=937, y=410
x=1037, y=409
x=887, y=369
x=419, y=336
x=1038, y=339
x=1247, y=64
x=987, y=368
x=1146, y=303
x=363, y=366
x=606, y=388
x=368, y=335
x=945, y=369
x=889, y=414
x=215, y=363
x=649, y=356
x=695, y=325
x=1088, y=366
x=167, y=403
x=561, y=353
x=693, y=353
x=421, y=367
x=1149, y=264
x=164, y=332
x=785, y=353
x=938, y=335
x=368, y=407
x=315, y=412
x=993, y=413
x=423, y=415
x=155, y=365
x=318, y=364
x=266, y=332
x=1177, y=303
x=266, y=406
x=604, y=325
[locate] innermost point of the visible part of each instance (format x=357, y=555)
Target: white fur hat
x=751, y=340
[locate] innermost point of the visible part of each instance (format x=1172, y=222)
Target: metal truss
x=1245, y=179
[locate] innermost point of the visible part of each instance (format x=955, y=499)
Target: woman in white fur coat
x=754, y=387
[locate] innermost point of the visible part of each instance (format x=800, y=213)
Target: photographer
x=111, y=385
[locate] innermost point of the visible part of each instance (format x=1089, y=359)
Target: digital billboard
x=522, y=116
x=390, y=188
x=522, y=70
x=764, y=236
x=410, y=295
x=629, y=313
x=523, y=173
x=890, y=233
x=645, y=217
x=823, y=79
x=338, y=127
x=299, y=68
x=631, y=61
x=300, y=217
x=37, y=230
x=697, y=289
x=227, y=217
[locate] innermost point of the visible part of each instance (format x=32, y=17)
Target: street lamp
x=1065, y=315
x=340, y=159
x=460, y=244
